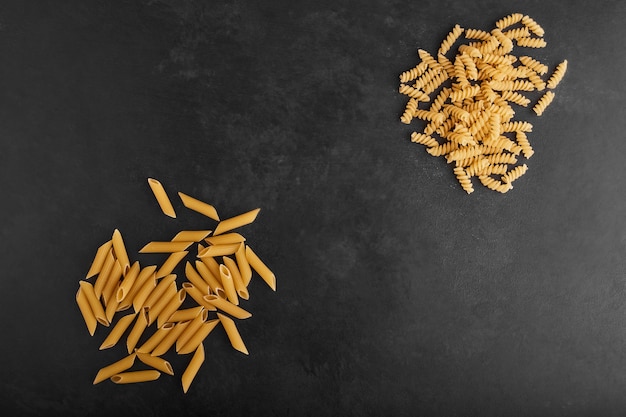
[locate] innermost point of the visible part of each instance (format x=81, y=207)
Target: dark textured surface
x=398, y=294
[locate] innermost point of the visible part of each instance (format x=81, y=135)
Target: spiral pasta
x=470, y=118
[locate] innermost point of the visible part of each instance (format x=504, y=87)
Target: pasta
x=232, y=333
x=167, y=317
x=199, y=206
x=192, y=369
x=98, y=261
x=161, y=197
x=133, y=377
x=115, y=368
x=472, y=120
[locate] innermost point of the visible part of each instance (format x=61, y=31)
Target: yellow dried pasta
x=469, y=99
x=164, y=318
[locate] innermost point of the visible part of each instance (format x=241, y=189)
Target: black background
x=398, y=294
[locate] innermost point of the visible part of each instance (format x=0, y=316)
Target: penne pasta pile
x=146, y=304
x=470, y=119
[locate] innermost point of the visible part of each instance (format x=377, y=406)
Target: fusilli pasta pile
x=465, y=100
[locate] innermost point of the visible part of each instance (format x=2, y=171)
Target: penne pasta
x=214, y=284
x=85, y=311
x=185, y=314
x=141, y=279
x=172, y=305
x=194, y=277
x=119, y=250
x=219, y=250
x=156, y=362
x=242, y=264
x=117, y=331
x=98, y=260
x=192, y=369
x=197, y=296
x=155, y=339
x=232, y=333
x=161, y=197
x=135, y=333
x=225, y=239
x=159, y=305
x=128, y=281
x=170, y=263
x=212, y=264
x=165, y=247
x=235, y=222
x=159, y=290
x=227, y=307
x=98, y=311
x=110, y=288
x=169, y=339
x=198, y=337
x=114, y=368
x=257, y=264
x=104, y=273
x=191, y=329
x=134, y=377
x=147, y=288
x=240, y=288
x=199, y=206
x=191, y=235
x=229, y=286
x=111, y=307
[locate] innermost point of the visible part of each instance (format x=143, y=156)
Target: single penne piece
x=115, y=368
x=199, y=206
x=110, y=289
x=229, y=286
x=173, y=305
x=119, y=250
x=101, y=281
x=219, y=250
x=240, y=288
x=198, y=337
x=159, y=290
x=192, y=369
x=154, y=340
x=243, y=265
x=98, y=260
x=257, y=264
x=191, y=235
x=159, y=305
x=214, y=284
x=117, y=331
x=156, y=362
x=232, y=333
x=225, y=239
x=191, y=329
x=135, y=333
x=133, y=377
x=194, y=277
x=165, y=247
x=144, y=292
x=129, y=280
x=94, y=303
x=85, y=310
x=197, y=296
x=111, y=307
x=142, y=278
x=212, y=264
x=169, y=339
x=185, y=314
x=162, y=198
x=227, y=307
x=170, y=263
x=235, y=222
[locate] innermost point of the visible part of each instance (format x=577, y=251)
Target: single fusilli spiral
x=509, y=20
x=464, y=179
x=533, y=26
x=514, y=174
x=447, y=43
x=557, y=75
x=409, y=111
x=523, y=142
x=532, y=42
x=543, y=102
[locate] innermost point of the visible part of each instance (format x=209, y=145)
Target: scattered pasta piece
x=164, y=317
x=466, y=100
